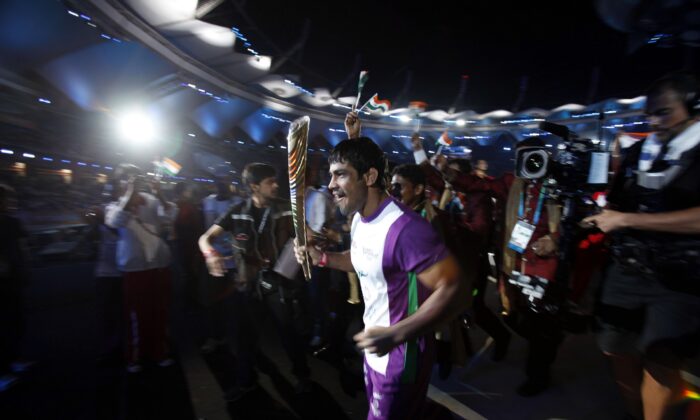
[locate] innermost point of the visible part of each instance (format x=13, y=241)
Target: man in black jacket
x=260, y=226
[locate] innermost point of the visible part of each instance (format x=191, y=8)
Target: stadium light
x=136, y=127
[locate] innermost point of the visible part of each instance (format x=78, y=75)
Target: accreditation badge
x=522, y=233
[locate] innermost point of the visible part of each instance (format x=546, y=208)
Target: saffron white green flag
x=375, y=104
x=169, y=166
x=444, y=139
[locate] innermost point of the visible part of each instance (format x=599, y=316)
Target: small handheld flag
x=364, y=75
x=444, y=139
x=417, y=107
x=375, y=104
x=168, y=166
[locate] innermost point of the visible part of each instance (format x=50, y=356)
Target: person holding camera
x=260, y=226
x=530, y=246
x=530, y=240
x=144, y=258
x=649, y=308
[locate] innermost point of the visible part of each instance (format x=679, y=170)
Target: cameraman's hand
x=352, y=125
x=545, y=246
x=608, y=220
x=301, y=251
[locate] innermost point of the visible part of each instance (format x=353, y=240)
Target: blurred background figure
x=187, y=228
x=144, y=257
x=319, y=218
x=108, y=282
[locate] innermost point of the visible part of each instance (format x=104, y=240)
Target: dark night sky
x=557, y=44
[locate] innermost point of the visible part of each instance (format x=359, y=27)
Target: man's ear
x=419, y=189
x=371, y=176
x=254, y=187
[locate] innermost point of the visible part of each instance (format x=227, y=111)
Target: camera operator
x=650, y=301
x=144, y=258
x=528, y=203
x=532, y=214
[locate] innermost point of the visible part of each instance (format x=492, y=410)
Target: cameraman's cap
x=530, y=142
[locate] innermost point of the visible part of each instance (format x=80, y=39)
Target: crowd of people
x=421, y=241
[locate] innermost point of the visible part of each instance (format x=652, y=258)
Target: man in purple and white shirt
x=410, y=281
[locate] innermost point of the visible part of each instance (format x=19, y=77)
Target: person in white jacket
x=144, y=258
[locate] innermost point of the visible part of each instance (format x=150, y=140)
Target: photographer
x=144, y=258
x=650, y=301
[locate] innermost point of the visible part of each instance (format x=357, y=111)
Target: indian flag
x=364, y=75
x=169, y=166
x=417, y=106
x=376, y=104
x=444, y=139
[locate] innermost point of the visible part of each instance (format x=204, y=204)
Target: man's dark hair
x=223, y=189
x=255, y=173
x=413, y=173
x=682, y=83
x=464, y=165
x=362, y=154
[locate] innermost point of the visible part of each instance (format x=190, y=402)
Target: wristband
x=210, y=253
x=323, y=261
x=420, y=156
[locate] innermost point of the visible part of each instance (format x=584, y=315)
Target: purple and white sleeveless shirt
x=385, y=248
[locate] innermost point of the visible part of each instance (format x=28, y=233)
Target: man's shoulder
x=280, y=204
x=238, y=209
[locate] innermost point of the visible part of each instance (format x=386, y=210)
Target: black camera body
x=570, y=176
x=572, y=167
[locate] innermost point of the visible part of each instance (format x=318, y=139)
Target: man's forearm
x=443, y=305
x=340, y=261
x=681, y=221
x=205, y=245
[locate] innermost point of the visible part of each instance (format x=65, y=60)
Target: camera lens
x=534, y=163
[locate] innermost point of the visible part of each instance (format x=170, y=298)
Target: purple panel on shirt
x=412, y=245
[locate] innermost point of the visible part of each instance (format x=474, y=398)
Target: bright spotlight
x=460, y=122
x=404, y=118
x=137, y=127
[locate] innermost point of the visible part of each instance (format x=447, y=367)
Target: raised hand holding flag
x=443, y=141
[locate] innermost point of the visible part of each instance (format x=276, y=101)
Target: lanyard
x=538, y=210
x=263, y=221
